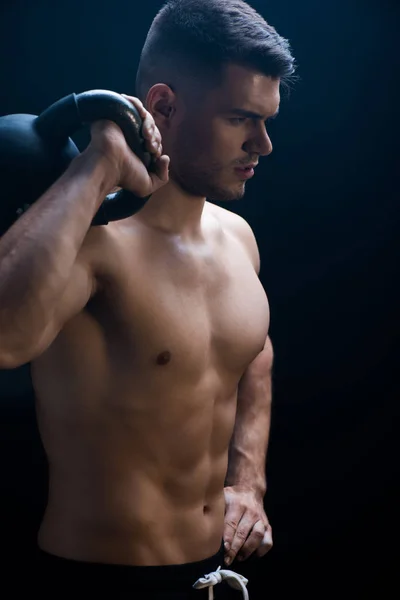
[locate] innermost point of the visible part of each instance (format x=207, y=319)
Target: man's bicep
x=261, y=366
x=93, y=264
x=80, y=288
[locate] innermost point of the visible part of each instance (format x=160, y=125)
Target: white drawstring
x=235, y=580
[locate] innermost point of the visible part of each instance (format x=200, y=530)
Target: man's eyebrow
x=252, y=115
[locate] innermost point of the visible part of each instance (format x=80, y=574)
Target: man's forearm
x=249, y=443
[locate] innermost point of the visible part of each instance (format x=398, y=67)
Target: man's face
x=213, y=143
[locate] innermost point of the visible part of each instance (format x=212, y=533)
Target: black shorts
x=58, y=578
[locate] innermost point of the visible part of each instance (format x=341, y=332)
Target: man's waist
x=166, y=536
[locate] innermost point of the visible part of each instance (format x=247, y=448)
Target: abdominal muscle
x=136, y=473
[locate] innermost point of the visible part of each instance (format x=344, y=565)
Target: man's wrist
x=258, y=490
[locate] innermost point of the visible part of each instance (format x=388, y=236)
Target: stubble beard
x=192, y=170
x=204, y=182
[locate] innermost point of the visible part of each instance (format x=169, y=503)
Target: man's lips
x=246, y=171
x=248, y=166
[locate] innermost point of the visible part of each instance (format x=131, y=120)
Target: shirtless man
x=148, y=337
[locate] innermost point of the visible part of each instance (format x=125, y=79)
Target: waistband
x=99, y=575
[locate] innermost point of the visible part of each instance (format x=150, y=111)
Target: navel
x=164, y=358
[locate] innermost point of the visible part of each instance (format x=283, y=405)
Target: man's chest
x=190, y=312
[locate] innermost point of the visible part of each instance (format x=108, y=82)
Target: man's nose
x=260, y=143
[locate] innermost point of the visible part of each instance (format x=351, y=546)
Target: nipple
x=164, y=358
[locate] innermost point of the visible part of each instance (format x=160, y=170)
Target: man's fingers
x=253, y=542
x=148, y=127
x=266, y=543
x=160, y=172
x=137, y=104
x=242, y=531
x=150, y=131
x=232, y=518
x=229, y=533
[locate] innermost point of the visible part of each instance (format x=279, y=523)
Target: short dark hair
x=192, y=40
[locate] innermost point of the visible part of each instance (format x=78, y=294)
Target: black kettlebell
x=36, y=150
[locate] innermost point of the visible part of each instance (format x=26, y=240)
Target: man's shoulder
x=240, y=228
x=230, y=219
x=102, y=252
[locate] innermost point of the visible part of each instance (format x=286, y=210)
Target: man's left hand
x=247, y=529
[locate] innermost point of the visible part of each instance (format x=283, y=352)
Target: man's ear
x=161, y=104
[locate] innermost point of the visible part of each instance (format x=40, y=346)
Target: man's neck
x=173, y=211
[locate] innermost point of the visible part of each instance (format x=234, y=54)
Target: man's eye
x=237, y=120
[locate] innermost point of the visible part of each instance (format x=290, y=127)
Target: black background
x=324, y=208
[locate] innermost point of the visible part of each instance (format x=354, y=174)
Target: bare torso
x=136, y=398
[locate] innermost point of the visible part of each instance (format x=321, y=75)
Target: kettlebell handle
x=69, y=114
